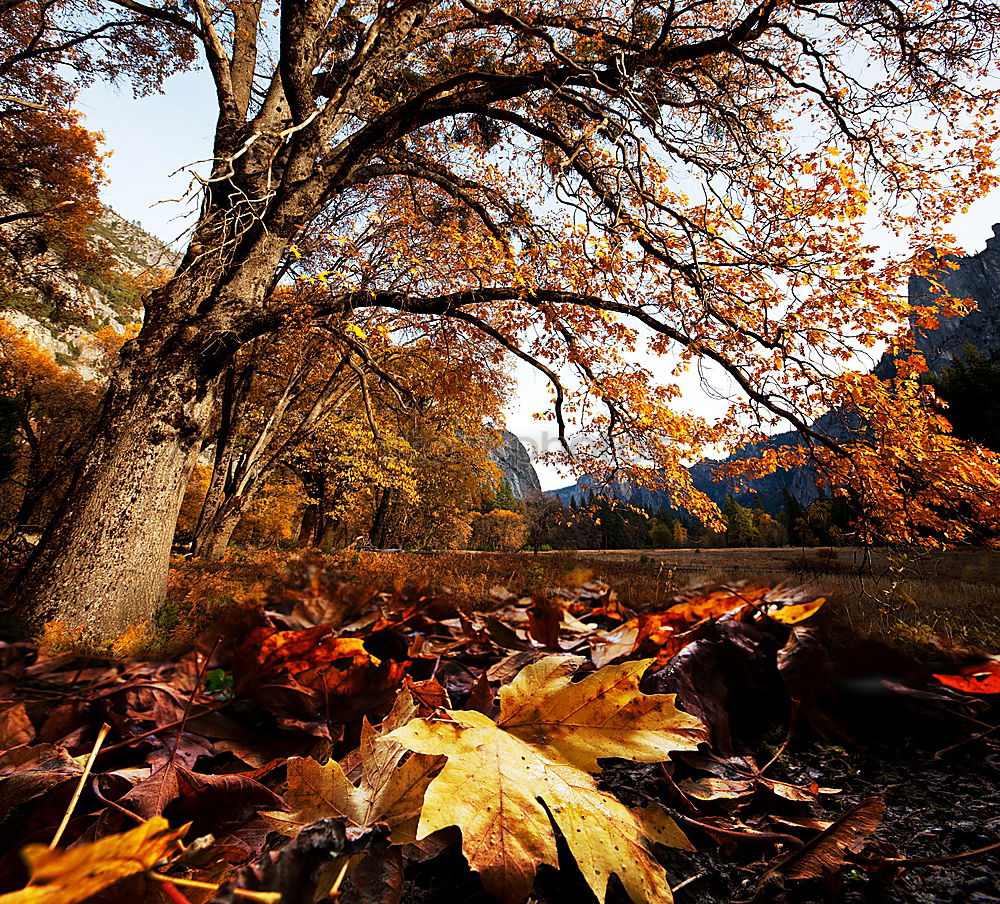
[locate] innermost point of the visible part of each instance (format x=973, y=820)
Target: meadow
x=915, y=597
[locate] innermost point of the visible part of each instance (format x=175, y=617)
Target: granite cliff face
x=977, y=277
x=60, y=310
x=512, y=458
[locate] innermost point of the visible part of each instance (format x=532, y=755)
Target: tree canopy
x=574, y=181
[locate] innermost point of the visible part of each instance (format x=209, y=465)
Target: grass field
x=917, y=597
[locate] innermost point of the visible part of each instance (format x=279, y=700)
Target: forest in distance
x=286, y=614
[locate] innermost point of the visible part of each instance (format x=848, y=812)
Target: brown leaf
x=15, y=727
x=377, y=879
x=716, y=788
x=824, y=854
x=390, y=791
x=482, y=697
x=544, y=620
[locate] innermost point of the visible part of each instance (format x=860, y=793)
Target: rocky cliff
x=513, y=459
x=60, y=308
x=976, y=277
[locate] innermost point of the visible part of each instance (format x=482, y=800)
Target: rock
x=513, y=459
x=26, y=303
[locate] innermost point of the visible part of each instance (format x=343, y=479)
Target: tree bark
x=213, y=537
x=380, y=523
x=222, y=458
x=101, y=566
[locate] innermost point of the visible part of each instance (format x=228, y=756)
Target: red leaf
x=982, y=678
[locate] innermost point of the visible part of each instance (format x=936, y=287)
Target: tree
x=970, y=387
x=543, y=516
x=567, y=180
x=50, y=411
x=739, y=523
x=505, y=498
x=793, y=516
x=276, y=395
x=50, y=164
x=404, y=465
x=499, y=531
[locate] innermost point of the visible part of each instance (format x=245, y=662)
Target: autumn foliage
x=620, y=196
x=336, y=737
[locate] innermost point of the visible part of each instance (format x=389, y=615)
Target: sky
x=156, y=141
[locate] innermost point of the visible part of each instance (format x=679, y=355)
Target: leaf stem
x=264, y=897
x=101, y=735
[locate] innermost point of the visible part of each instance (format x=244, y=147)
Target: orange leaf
x=983, y=678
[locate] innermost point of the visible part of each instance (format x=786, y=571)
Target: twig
x=129, y=741
x=265, y=897
x=760, y=837
x=101, y=735
x=687, y=881
x=934, y=861
x=968, y=740
x=190, y=701
x=335, y=888
x=111, y=803
x=668, y=778
x=788, y=739
x=171, y=891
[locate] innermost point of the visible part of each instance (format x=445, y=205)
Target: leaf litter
x=551, y=746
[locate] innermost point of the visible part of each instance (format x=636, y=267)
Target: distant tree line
x=593, y=521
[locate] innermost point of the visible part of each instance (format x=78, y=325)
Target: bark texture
x=101, y=566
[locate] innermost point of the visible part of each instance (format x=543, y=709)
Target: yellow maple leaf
x=66, y=877
x=796, y=612
x=503, y=779
x=389, y=792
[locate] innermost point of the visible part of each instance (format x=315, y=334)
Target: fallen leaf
x=389, y=792
x=796, y=612
x=607, y=646
x=824, y=854
x=503, y=779
x=15, y=727
x=713, y=788
x=66, y=877
x=344, y=678
x=603, y=715
x=305, y=869
x=982, y=678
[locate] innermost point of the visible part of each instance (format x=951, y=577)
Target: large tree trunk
x=101, y=566
x=380, y=523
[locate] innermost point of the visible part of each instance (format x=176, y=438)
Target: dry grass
x=906, y=596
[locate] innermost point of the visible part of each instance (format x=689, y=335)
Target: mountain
x=512, y=458
x=976, y=277
x=61, y=308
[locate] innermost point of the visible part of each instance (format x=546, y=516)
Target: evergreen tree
x=793, y=516
x=505, y=498
x=970, y=386
x=739, y=523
